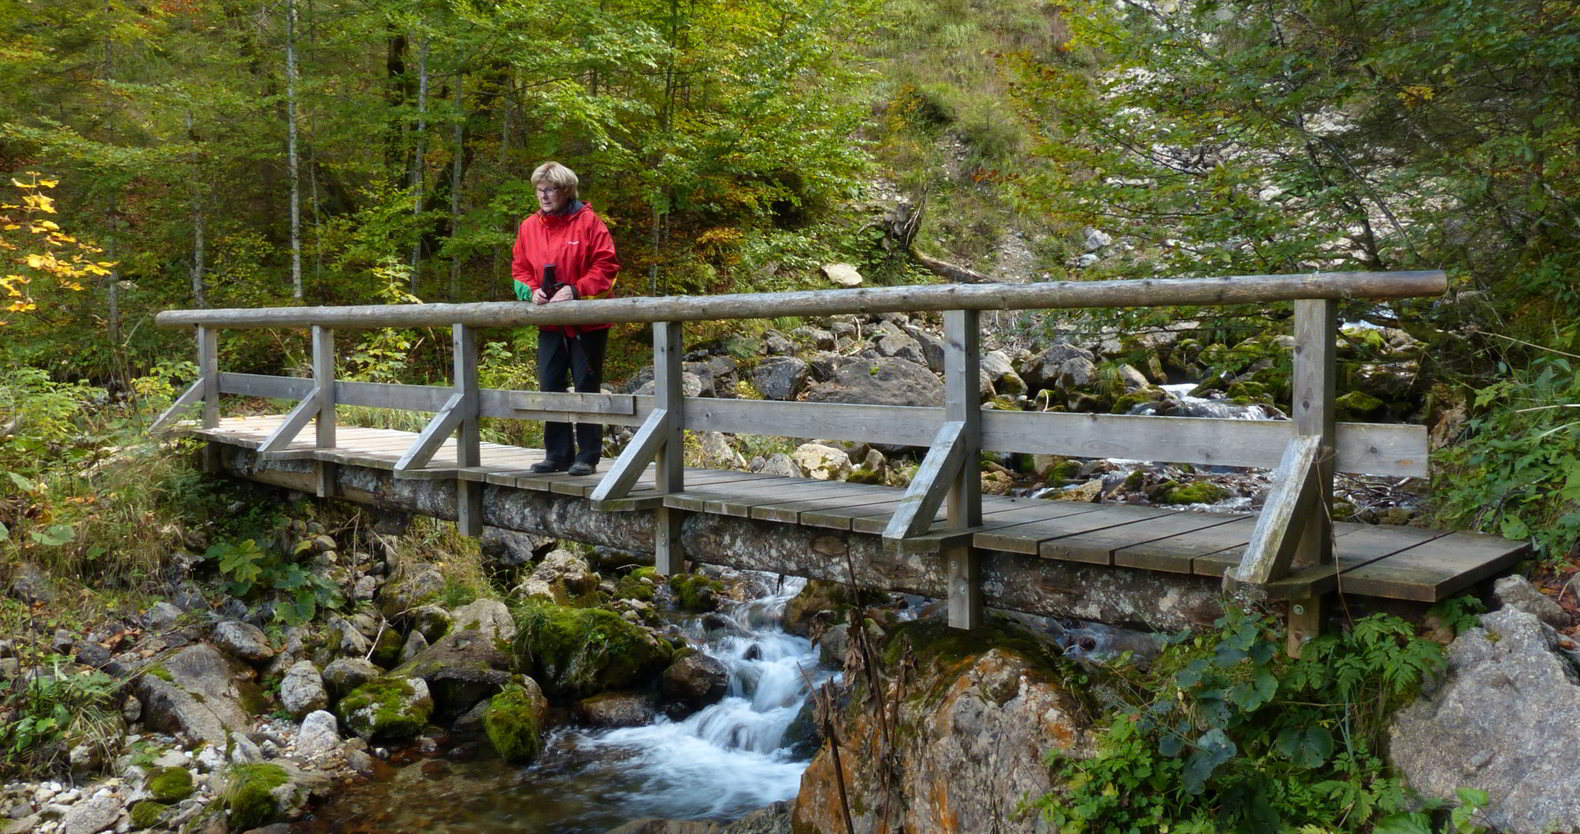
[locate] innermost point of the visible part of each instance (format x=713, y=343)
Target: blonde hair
x=556, y=174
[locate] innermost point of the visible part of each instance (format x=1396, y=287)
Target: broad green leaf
x=55, y=535
x=1213, y=749
x=1413, y=823
x=22, y=483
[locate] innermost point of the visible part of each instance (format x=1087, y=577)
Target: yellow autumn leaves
x=39, y=245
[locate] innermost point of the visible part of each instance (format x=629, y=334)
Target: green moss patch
x=576, y=652
x=147, y=813
x=512, y=723
x=1358, y=405
x=249, y=798
x=694, y=592
x=160, y=671
x=170, y=784
x=633, y=586
x=1201, y=492
x=386, y=709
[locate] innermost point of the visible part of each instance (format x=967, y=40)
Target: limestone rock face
x=302, y=689
x=463, y=668
x=577, y=652
x=824, y=463
x=1504, y=719
x=320, y=734
x=198, y=691
x=243, y=640
x=882, y=381
x=968, y=747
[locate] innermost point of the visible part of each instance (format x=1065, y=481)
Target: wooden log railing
x=1292, y=533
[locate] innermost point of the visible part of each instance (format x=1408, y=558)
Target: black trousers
x=576, y=360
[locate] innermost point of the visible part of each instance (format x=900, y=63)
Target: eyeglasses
x=547, y=190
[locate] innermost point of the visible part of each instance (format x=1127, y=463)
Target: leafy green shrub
x=1228, y=733
x=49, y=711
x=1517, y=472
x=250, y=568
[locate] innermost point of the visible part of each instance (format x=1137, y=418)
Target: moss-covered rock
x=513, y=721
x=821, y=595
x=1358, y=405
x=170, y=784
x=641, y=584
x=1200, y=492
x=387, y=708
x=249, y=798
x=576, y=652
x=147, y=813
x=695, y=592
x=867, y=475
x=386, y=650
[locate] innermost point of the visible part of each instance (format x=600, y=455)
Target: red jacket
x=579, y=246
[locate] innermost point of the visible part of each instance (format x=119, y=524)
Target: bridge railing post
x=669, y=460
x=963, y=404
x=1314, y=384
x=468, y=435
x=208, y=372
x=324, y=389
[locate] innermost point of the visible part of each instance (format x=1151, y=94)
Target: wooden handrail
x=1142, y=292
x=1294, y=530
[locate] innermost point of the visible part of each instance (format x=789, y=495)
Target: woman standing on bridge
x=564, y=252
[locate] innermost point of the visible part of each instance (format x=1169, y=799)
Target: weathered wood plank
x=1098, y=546
x=324, y=386
x=1370, y=448
x=1435, y=570
x=434, y=434
x=1314, y=384
x=429, y=398
x=269, y=387
x=300, y=416
x=1176, y=554
x=1292, y=504
x=796, y=490
x=933, y=480
x=177, y=409
x=903, y=425
x=1002, y=522
x=637, y=456
x=790, y=511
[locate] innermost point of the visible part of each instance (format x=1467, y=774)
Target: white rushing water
x=730, y=757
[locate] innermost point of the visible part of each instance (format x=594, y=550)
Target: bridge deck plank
x=1392, y=562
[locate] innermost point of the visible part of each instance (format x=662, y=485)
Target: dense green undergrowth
x=1227, y=733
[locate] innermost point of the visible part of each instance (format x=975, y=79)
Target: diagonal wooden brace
x=927, y=491
x=193, y=396
x=300, y=416
x=644, y=446
x=434, y=434
x=1290, y=506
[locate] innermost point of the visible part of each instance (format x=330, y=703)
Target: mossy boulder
x=641, y=584
x=170, y=784
x=412, y=587
x=1358, y=405
x=249, y=798
x=513, y=721
x=1200, y=492
x=147, y=813
x=818, y=596
x=465, y=667
x=387, y=709
x=577, y=652
x=695, y=592
x=386, y=650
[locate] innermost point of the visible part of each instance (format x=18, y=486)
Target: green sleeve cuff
x=523, y=292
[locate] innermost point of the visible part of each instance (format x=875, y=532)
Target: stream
x=720, y=763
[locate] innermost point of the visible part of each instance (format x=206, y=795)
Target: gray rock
x=32, y=585
x=776, y=344
x=832, y=645
x=388, y=709
x=1505, y=719
x=489, y=617
x=421, y=584
x=560, y=577
x=780, y=377
x=616, y=709
x=817, y=337
x=1000, y=372
x=347, y=673
x=842, y=275
x=774, y=819
x=782, y=465
x=886, y=381
x=718, y=454
x=242, y=640
x=1517, y=592
x=302, y=689
x=431, y=621
x=693, y=682
x=91, y=815
x=366, y=588
x=823, y=463
x=244, y=750
x=320, y=734
x=348, y=639
x=509, y=548
x=415, y=645
x=1096, y=239
x=464, y=667
x=1060, y=366
x=198, y=691
x=162, y=615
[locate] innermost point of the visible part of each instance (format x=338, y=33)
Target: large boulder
x=976, y=719
x=413, y=586
x=780, y=377
x=201, y=692
x=883, y=381
x=255, y=795
x=823, y=463
x=342, y=675
x=1063, y=366
x=1504, y=719
x=577, y=652
x=387, y=709
x=462, y=669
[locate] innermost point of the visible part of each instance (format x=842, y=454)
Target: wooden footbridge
x=940, y=536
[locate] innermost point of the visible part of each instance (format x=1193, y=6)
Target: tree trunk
x=291, y=158
x=455, y=183
x=417, y=157
x=199, y=291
